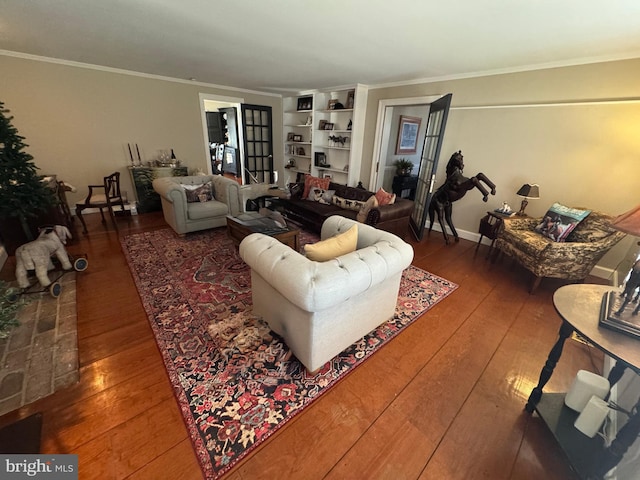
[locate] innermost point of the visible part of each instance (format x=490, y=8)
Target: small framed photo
x=300, y=151
x=290, y=136
x=328, y=126
x=332, y=104
x=322, y=124
x=351, y=95
x=328, y=175
x=320, y=159
x=305, y=103
x=297, y=138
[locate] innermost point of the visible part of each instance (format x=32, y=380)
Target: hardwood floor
x=443, y=400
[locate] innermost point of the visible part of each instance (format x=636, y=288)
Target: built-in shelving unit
x=325, y=139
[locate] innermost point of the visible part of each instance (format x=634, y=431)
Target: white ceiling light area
x=282, y=45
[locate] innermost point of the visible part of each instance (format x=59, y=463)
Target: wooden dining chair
x=107, y=195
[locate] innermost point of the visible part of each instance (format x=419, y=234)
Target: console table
x=579, y=307
x=147, y=200
x=404, y=186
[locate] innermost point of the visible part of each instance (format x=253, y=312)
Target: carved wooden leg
x=624, y=438
x=615, y=374
x=547, y=370
x=79, y=215
x=535, y=285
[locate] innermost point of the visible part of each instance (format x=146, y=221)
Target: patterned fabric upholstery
x=571, y=260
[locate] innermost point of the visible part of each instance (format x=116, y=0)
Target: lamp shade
x=529, y=191
x=628, y=222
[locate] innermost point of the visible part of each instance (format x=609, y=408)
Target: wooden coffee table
x=244, y=224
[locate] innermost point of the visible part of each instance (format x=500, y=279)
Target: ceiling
x=284, y=45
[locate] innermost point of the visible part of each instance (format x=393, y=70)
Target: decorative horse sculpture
x=454, y=188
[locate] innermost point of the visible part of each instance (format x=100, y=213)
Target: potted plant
x=403, y=167
x=23, y=195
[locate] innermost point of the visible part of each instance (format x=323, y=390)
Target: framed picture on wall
x=408, y=134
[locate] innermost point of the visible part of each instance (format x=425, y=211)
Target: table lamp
x=527, y=191
x=628, y=222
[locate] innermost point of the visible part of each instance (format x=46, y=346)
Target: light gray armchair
x=186, y=217
x=321, y=308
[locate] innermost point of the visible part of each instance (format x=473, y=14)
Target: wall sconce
x=527, y=191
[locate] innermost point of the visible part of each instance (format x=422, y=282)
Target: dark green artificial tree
x=10, y=304
x=23, y=195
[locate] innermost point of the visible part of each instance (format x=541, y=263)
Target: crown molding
x=101, y=68
x=504, y=71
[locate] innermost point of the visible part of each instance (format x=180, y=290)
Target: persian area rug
x=235, y=380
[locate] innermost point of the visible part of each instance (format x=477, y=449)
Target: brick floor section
x=40, y=356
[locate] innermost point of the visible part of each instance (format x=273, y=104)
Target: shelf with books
x=334, y=113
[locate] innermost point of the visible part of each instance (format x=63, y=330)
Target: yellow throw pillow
x=333, y=247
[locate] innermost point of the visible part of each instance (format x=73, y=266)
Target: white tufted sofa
x=322, y=308
x=186, y=217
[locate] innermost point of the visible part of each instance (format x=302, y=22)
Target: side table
x=405, y=186
x=490, y=226
x=579, y=307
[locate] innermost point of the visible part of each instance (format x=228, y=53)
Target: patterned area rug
x=236, y=381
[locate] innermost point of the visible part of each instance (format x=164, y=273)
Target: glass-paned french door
x=258, y=144
x=437, y=120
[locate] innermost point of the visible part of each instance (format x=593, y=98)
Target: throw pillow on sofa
x=321, y=196
x=364, y=210
x=560, y=221
x=347, y=203
x=333, y=247
x=199, y=193
x=310, y=181
x=385, y=198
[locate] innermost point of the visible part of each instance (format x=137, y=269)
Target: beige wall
x=581, y=155
x=78, y=121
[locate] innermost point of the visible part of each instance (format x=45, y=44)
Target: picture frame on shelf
x=408, y=134
x=305, y=103
x=328, y=126
x=290, y=136
x=351, y=95
x=328, y=175
x=332, y=104
x=297, y=138
x=320, y=159
x=321, y=124
x=300, y=151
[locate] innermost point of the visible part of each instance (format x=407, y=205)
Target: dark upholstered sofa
x=392, y=218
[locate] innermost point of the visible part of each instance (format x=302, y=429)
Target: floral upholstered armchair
x=570, y=260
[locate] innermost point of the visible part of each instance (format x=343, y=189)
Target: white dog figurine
x=36, y=255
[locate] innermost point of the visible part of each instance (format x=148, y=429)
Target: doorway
x=238, y=139
x=389, y=112
x=215, y=108
x=430, y=113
